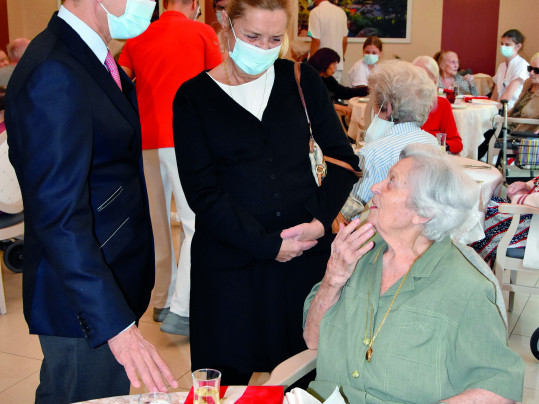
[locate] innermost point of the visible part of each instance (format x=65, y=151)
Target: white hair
x=440, y=190
x=408, y=89
x=430, y=66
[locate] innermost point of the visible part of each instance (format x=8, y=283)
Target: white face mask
x=133, y=21
x=377, y=128
x=218, y=15
x=506, y=51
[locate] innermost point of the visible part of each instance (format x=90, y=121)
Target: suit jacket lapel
x=98, y=71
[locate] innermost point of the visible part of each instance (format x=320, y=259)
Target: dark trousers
x=72, y=371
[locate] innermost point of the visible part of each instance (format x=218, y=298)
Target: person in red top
x=441, y=119
x=172, y=50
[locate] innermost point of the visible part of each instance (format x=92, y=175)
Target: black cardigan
x=247, y=180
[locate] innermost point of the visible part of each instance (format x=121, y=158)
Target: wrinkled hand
x=137, y=355
x=515, y=188
x=469, y=78
x=349, y=246
x=292, y=248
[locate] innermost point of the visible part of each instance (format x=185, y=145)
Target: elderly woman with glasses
x=402, y=314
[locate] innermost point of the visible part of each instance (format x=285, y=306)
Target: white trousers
x=172, y=278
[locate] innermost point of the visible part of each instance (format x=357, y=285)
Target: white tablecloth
x=490, y=182
x=357, y=120
x=472, y=122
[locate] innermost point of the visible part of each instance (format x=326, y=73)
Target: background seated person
x=403, y=97
x=441, y=119
x=527, y=106
x=413, y=320
x=358, y=75
x=449, y=66
x=496, y=223
x=325, y=62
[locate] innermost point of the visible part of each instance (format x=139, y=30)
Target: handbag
x=352, y=207
x=528, y=154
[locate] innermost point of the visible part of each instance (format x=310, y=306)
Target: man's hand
x=137, y=355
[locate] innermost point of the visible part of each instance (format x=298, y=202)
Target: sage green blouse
x=443, y=335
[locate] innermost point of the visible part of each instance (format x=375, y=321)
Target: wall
x=4, y=33
x=29, y=17
x=522, y=15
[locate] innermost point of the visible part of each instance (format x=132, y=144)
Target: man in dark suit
x=74, y=140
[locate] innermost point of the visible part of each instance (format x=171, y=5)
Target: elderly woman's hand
x=515, y=188
x=347, y=248
x=469, y=78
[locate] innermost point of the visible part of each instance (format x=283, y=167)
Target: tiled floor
x=20, y=354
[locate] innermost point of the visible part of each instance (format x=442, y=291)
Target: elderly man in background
x=403, y=97
x=15, y=51
x=171, y=51
x=88, y=252
x=328, y=28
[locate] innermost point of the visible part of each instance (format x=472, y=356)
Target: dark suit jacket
x=74, y=140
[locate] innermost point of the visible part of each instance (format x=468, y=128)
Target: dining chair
x=510, y=261
x=292, y=369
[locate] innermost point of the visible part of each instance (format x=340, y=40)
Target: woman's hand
x=346, y=250
x=515, y=188
x=298, y=239
x=468, y=78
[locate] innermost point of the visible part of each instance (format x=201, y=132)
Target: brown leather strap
x=344, y=165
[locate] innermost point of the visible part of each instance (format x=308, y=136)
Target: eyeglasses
x=535, y=69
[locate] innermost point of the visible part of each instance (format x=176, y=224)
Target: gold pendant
x=366, y=341
x=368, y=354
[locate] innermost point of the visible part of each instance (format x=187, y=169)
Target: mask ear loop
x=233, y=32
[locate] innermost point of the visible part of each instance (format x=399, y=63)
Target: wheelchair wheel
x=13, y=256
x=534, y=341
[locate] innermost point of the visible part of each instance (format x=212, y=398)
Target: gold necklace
x=230, y=88
x=370, y=341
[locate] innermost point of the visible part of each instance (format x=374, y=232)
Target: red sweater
x=441, y=120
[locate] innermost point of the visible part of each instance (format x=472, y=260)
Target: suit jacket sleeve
x=55, y=142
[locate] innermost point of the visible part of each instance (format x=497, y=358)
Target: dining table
x=357, y=119
x=473, y=120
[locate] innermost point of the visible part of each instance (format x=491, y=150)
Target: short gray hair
x=406, y=87
x=430, y=65
x=440, y=190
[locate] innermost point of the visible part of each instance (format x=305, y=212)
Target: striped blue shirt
x=378, y=157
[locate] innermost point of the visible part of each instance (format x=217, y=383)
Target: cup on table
x=441, y=138
x=154, y=398
x=206, y=386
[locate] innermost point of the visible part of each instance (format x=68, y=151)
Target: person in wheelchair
x=527, y=106
x=402, y=314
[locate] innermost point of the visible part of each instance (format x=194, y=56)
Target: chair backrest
x=10, y=193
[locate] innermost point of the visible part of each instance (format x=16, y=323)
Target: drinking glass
x=206, y=385
x=441, y=138
x=154, y=398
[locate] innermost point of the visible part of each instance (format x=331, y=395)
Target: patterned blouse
x=465, y=88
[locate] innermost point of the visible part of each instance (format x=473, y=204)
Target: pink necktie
x=113, y=69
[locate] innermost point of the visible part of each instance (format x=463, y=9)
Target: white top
x=254, y=95
x=505, y=75
x=329, y=24
x=358, y=75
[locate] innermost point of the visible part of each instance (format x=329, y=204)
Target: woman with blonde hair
x=263, y=228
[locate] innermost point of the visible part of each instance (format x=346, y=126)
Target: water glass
x=206, y=386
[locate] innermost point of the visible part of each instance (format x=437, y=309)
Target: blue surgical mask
x=134, y=20
x=377, y=128
x=506, y=51
x=218, y=15
x=370, y=59
x=252, y=59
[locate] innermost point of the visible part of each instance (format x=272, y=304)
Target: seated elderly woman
x=401, y=314
x=403, y=96
x=449, y=66
x=441, y=119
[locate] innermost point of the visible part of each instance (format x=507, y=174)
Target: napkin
x=300, y=396
x=247, y=395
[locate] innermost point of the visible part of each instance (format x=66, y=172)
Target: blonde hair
x=237, y=8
